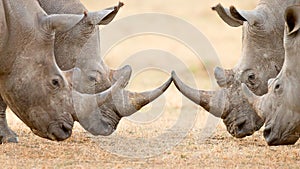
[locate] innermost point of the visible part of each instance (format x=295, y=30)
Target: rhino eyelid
x=91, y=78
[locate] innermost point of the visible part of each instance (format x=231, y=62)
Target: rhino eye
x=251, y=77
x=55, y=82
x=92, y=79
x=277, y=86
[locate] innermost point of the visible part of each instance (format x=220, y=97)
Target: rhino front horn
x=212, y=101
x=128, y=102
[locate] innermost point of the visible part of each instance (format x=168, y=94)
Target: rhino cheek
x=286, y=128
x=50, y=124
x=99, y=127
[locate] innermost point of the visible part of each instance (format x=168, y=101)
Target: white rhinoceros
x=95, y=76
x=31, y=83
x=261, y=59
x=100, y=113
x=280, y=106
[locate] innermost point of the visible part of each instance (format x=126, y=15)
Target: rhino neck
x=62, y=7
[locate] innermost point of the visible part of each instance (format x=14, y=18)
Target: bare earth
x=172, y=132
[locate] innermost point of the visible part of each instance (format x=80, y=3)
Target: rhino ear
x=292, y=19
x=105, y=16
x=235, y=18
x=225, y=14
x=60, y=22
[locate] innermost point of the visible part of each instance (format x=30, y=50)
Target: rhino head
x=79, y=47
x=31, y=83
x=100, y=115
x=280, y=106
x=262, y=58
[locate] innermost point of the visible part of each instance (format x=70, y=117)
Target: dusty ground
x=153, y=138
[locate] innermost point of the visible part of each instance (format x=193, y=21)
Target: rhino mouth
x=239, y=124
x=60, y=131
x=274, y=138
x=61, y=128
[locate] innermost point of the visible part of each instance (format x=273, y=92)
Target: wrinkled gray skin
x=261, y=59
x=79, y=47
x=101, y=112
x=280, y=106
x=95, y=76
x=31, y=83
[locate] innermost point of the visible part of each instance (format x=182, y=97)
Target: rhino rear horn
x=292, y=19
x=253, y=99
x=223, y=77
x=212, y=101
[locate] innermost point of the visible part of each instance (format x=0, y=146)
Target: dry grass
x=181, y=146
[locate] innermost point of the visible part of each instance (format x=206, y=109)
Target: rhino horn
x=223, y=76
x=292, y=19
x=69, y=74
x=253, y=99
x=125, y=71
x=105, y=16
x=116, y=99
x=89, y=115
x=128, y=102
x=212, y=101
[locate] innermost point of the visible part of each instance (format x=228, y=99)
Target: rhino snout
x=274, y=139
x=60, y=131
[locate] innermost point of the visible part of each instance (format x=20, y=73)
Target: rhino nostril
x=267, y=132
x=241, y=126
x=66, y=128
x=61, y=131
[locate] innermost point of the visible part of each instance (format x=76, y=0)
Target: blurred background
x=145, y=51
x=170, y=130
x=172, y=112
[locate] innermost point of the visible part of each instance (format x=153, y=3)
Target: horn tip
x=173, y=73
x=214, y=8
